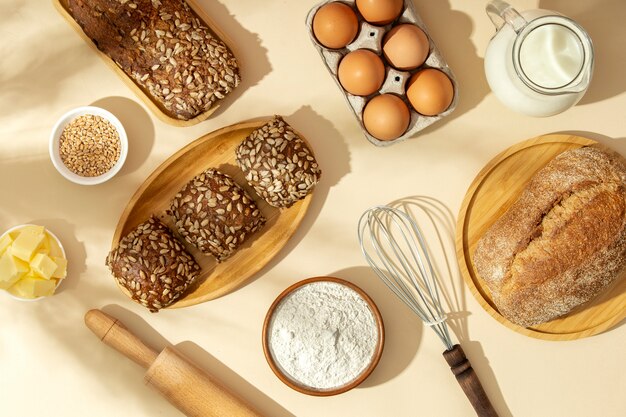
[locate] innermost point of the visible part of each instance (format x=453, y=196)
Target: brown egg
x=406, y=47
x=380, y=12
x=430, y=92
x=386, y=117
x=361, y=72
x=335, y=25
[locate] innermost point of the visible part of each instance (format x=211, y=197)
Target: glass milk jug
x=539, y=62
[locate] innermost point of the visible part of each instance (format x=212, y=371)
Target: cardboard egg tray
x=371, y=37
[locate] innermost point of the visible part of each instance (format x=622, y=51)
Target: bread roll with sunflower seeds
x=215, y=214
x=152, y=265
x=278, y=163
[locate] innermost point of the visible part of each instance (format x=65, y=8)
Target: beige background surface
x=50, y=365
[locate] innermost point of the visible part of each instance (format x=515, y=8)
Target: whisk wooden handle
x=467, y=378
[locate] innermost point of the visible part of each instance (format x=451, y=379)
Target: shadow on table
x=33, y=84
x=617, y=144
x=458, y=51
x=252, y=57
x=40, y=186
x=332, y=155
x=23, y=182
x=138, y=126
x=437, y=224
x=620, y=324
x=604, y=21
x=122, y=376
x=252, y=395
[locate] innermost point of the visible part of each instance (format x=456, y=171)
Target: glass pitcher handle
x=501, y=12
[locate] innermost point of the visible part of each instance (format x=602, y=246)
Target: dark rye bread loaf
x=152, y=265
x=163, y=47
x=278, y=163
x=215, y=214
x=562, y=242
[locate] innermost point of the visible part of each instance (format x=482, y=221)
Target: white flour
x=323, y=335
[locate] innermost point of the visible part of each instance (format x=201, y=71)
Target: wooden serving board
x=214, y=150
x=154, y=106
x=493, y=191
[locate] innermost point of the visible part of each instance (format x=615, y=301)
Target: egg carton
x=371, y=37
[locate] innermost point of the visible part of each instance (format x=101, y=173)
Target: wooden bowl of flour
x=323, y=336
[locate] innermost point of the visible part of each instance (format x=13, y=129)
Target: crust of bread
x=278, y=163
x=165, y=48
x=215, y=214
x=152, y=265
x=562, y=242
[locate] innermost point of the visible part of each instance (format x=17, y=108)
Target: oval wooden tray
x=154, y=106
x=217, y=150
x=493, y=191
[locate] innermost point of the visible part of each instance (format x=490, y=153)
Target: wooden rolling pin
x=182, y=383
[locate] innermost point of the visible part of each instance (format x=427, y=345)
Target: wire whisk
x=412, y=278
x=396, y=249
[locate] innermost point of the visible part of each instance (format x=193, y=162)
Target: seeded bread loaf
x=562, y=242
x=278, y=163
x=152, y=265
x=215, y=214
x=163, y=46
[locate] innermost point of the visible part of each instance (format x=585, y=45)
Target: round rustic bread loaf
x=562, y=242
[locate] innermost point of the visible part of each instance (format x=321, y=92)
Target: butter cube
x=43, y=266
x=32, y=228
x=42, y=287
x=33, y=287
x=11, y=269
x=54, y=248
x=45, y=245
x=27, y=242
x=61, y=270
x=19, y=289
x=5, y=242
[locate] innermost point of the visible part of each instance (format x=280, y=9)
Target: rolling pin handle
x=467, y=378
x=113, y=333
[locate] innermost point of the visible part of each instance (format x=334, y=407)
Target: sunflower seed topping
x=156, y=37
x=278, y=163
x=149, y=270
x=204, y=216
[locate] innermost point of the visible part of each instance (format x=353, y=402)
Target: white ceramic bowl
x=53, y=236
x=56, y=135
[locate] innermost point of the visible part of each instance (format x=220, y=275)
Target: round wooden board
x=493, y=191
x=217, y=150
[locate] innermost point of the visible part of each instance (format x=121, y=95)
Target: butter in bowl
x=32, y=262
x=323, y=336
